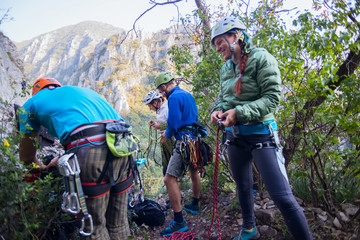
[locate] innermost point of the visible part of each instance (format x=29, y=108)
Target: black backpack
x=150, y=213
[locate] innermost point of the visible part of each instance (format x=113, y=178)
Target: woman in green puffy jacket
x=250, y=92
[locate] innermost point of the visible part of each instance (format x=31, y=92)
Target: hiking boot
x=174, y=227
x=193, y=209
x=247, y=234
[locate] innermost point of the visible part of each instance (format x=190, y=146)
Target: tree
x=6, y=16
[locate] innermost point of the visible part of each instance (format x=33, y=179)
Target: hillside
x=97, y=55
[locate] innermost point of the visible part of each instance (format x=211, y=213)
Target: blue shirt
x=63, y=109
x=260, y=128
x=182, y=111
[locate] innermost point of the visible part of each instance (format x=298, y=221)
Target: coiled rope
x=215, y=188
x=189, y=235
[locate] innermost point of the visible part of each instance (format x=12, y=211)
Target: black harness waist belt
x=84, y=131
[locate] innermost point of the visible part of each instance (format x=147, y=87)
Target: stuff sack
x=200, y=129
x=205, y=153
x=120, y=140
x=150, y=213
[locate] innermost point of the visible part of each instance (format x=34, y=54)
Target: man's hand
x=215, y=117
x=229, y=118
x=52, y=163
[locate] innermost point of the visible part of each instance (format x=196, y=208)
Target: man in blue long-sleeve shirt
x=182, y=112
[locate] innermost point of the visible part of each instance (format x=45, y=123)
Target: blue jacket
x=182, y=111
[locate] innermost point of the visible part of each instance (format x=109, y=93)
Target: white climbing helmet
x=151, y=96
x=224, y=25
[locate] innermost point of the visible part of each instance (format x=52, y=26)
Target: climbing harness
x=215, y=210
x=73, y=196
x=189, y=235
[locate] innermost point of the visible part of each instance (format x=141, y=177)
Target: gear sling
x=121, y=143
x=195, y=152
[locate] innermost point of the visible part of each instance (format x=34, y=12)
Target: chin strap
x=232, y=47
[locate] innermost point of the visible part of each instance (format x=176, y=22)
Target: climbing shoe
x=247, y=234
x=174, y=227
x=193, y=209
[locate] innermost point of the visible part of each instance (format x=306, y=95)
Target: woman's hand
x=151, y=123
x=215, y=117
x=229, y=118
x=156, y=125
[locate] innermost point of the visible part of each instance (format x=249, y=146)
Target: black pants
x=241, y=154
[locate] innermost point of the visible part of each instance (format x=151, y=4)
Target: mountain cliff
x=98, y=56
x=12, y=77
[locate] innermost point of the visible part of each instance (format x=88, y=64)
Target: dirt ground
x=230, y=222
x=199, y=224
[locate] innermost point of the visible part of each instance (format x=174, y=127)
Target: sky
x=34, y=17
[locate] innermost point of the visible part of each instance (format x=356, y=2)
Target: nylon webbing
x=87, y=216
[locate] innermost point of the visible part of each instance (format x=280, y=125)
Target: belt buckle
x=259, y=146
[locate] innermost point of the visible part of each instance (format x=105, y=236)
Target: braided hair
x=245, y=46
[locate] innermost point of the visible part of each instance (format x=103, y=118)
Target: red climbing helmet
x=43, y=82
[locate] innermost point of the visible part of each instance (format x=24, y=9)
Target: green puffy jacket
x=260, y=87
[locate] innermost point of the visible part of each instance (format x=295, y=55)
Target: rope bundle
x=189, y=235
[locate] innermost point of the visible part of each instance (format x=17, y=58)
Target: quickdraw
x=192, y=154
x=73, y=196
x=137, y=195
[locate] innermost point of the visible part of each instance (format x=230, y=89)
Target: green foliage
x=27, y=208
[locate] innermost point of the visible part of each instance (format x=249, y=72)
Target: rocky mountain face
x=12, y=77
x=12, y=81
x=98, y=56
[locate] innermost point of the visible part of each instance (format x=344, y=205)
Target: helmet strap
x=157, y=105
x=232, y=48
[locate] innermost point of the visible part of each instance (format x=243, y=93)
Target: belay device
x=73, y=196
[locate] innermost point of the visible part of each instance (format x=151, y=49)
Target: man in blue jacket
x=182, y=113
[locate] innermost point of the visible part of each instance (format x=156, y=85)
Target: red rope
x=189, y=235
x=215, y=188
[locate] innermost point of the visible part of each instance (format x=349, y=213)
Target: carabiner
x=63, y=164
x=81, y=231
x=74, y=206
x=66, y=202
